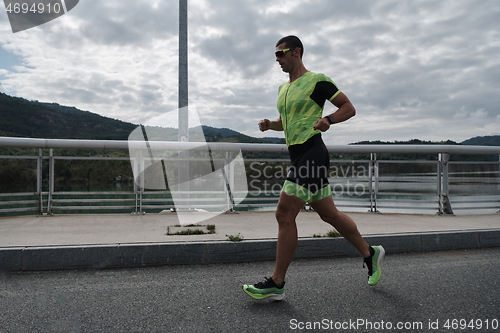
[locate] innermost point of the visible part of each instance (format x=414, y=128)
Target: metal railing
x=359, y=185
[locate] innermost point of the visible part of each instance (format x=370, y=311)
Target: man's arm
x=266, y=124
x=345, y=111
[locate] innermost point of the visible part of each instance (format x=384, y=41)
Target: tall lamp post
x=183, y=133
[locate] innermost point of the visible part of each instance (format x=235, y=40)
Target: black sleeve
x=323, y=91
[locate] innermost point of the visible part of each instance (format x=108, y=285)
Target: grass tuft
x=232, y=238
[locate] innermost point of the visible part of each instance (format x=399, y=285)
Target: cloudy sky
x=413, y=69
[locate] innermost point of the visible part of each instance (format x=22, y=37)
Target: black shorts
x=310, y=164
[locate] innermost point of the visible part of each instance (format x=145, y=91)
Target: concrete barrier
x=210, y=252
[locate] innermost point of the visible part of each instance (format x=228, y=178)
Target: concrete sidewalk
x=100, y=241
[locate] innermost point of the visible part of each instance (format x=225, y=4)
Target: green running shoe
x=373, y=262
x=265, y=289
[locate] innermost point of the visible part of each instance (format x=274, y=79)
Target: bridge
x=440, y=274
x=135, y=235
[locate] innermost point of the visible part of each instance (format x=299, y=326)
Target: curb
x=213, y=252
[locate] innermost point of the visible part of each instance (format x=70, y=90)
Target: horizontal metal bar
x=242, y=204
x=350, y=199
x=92, y=193
x=18, y=157
x=199, y=206
x=91, y=158
x=276, y=198
x=252, y=205
x=18, y=194
x=259, y=199
x=226, y=146
x=155, y=192
x=475, y=201
x=406, y=201
x=179, y=206
x=24, y=202
x=91, y=207
x=158, y=206
x=16, y=210
x=474, y=207
x=409, y=207
x=473, y=162
x=425, y=194
x=158, y=200
x=257, y=192
x=406, y=162
x=192, y=200
x=350, y=161
x=355, y=206
x=90, y=200
x=188, y=192
x=278, y=160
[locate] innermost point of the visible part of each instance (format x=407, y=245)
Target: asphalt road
x=421, y=292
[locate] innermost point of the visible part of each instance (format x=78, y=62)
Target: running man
x=300, y=105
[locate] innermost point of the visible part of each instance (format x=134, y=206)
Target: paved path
x=112, y=241
x=152, y=228
x=416, y=291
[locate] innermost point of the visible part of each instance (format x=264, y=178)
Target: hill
x=492, y=140
x=22, y=118
x=477, y=141
x=213, y=134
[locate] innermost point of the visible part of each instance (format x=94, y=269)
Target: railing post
x=136, y=192
x=141, y=191
x=228, y=173
x=39, y=181
x=440, y=184
x=51, y=181
x=373, y=182
x=444, y=199
x=227, y=176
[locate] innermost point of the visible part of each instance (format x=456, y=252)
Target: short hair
x=291, y=42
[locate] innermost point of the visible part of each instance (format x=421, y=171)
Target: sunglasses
x=281, y=53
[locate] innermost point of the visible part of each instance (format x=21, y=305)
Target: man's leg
x=329, y=213
x=373, y=255
x=288, y=208
x=273, y=288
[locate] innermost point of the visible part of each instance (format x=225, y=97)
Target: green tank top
x=300, y=104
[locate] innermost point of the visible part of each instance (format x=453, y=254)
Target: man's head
x=292, y=42
x=289, y=52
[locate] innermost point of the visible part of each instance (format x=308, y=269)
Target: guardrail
x=440, y=185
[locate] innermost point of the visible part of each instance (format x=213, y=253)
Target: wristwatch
x=330, y=119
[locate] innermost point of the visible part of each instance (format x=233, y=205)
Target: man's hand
x=264, y=125
x=322, y=124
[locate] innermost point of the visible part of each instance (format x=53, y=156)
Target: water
x=397, y=193
x=414, y=194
